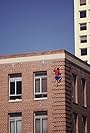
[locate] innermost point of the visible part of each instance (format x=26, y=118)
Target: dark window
x=44, y=84
x=41, y=122
x=14, y=75
x=74, y=88
x=82, y=14
x=83, y=39
x=83, y=26
x=83, y=92
x=84, y=124
x=16, y=114
x=75, y=123
x=82, y=2
x=15, y=86
x=84, y=51
x=19, y=86
x=12, y=87
x=40, y=84
x=37, y=85
x=15, y=123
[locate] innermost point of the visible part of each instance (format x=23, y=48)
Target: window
x=83, y=51
x=41, y=122
x=83, y=39
x=75, y=123
x=15, y=86
x=83, y=85
x=84, y=124
x=74, y=88
x=83, y=26
x=40, y=85
x=15, y=123
x=82, y=2
x=83, y=14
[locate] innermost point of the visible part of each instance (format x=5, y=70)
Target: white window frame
x=15, y=79
x=15, y=119
x=39, y=93
x=41, y=117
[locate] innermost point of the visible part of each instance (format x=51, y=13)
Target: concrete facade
x=82, y=29
x=59, y=103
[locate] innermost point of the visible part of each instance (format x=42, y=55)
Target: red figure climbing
x=57, y=74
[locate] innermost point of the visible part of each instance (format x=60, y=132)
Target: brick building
x=31, y=101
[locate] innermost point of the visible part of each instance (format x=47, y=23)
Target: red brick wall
x=55, y=104
x=76, y=107
x=59, y=103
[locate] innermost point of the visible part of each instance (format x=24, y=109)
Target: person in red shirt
x=57, y=74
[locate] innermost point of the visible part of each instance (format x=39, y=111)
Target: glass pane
x=83, y=26
x=74, y=122
x=44, y=84
x=19, y=87
x=82, y=2
x=12, y=87
x=83, y=83
x=37, y=85
x=84, y=51
x=82, y=14
x=44, y=126
x=12, y=127
x=19, y=126
x=37, y=125
x=83, y=39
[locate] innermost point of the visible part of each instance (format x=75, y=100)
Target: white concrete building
x=82, y=29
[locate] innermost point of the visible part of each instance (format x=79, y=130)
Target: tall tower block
x=82, y=29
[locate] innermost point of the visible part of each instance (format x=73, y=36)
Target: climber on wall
x=57, y=72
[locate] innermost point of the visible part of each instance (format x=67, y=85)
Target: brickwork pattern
x=59, y=103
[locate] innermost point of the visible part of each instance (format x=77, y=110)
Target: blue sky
x=36, y=25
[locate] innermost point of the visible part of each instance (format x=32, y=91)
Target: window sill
x=83, y=4
x=75, y=103
x=84, y=106
x=17, y=100
x=37, y=99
